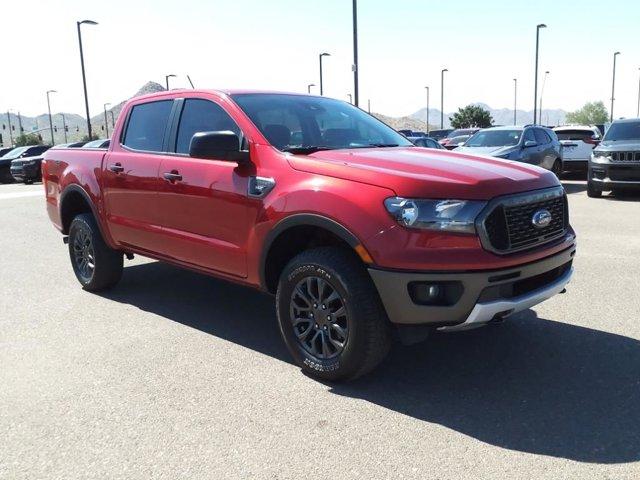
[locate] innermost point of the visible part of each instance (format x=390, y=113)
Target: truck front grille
x=507, y=226
x=625, y=156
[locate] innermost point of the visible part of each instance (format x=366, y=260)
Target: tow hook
x=129, y=255
x=65, y=240
x=564, y=290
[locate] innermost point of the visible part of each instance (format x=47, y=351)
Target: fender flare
x=75, y=188
x=302, y=219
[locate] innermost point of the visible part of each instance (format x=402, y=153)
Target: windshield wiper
x=383, y=145
x=306, y=149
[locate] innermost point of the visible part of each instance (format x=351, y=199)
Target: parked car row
x=610, y=162
x=24, y=164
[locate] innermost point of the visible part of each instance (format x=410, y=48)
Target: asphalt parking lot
x=177, y=375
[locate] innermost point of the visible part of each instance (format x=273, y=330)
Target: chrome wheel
x=83, y=254
x=319, y=318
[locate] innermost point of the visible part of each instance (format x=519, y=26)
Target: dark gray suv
x=615, y=163
x=531, y=144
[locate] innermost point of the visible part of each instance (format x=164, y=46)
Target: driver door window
x=201, y=116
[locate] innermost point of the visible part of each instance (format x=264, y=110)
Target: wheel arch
x=73, y=201
x=276, y=252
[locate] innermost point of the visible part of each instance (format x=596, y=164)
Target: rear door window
x=541, y=137
x=147, y=125
x=200, y=115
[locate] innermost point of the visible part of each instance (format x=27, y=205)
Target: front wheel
x=96, y=265
x=592, y=191
x=330, y=315
x=557, y=168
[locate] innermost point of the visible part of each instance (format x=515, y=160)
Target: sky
x=274, y=44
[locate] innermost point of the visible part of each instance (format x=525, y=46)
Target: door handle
x=116, y=168
x=172, y=176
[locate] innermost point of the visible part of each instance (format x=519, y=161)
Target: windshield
x=302, y=124
x=623, y=131
x=495, y=138
x=15, y=153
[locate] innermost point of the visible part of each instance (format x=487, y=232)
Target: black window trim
x=174, y=121
x=166, y=129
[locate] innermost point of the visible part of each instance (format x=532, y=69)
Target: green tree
x=471, y=116
x=28, y=139
x=592, y=113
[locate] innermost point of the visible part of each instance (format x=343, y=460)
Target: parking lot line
x=31, y=193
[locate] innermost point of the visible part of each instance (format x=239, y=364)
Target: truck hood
x=619, y=146
x=427, y=173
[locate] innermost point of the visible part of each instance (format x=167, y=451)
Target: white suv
x=578, y=141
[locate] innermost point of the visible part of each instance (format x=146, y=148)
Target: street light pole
x=369, y=105
x=64, y=128
x=354, y=67
x=166, y=79
x=309, y=87
x=427, y=110
x=10, y=132
x=638, y=114
x=442, y=97
x=544, y=81
x=320, y=57
x=106, y=120
x=535, y=93
x=84, y=77
x=53, y=142
x=350, y=98
x=113, y=122
x=613, y=85
x=515, y=99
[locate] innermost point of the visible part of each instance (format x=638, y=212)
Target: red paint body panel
x=207, y=221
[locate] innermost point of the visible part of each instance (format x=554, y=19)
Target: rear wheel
x=592, y=191
x=557, y=168
x=5, y=176
x=96, y=265
x=330, y=315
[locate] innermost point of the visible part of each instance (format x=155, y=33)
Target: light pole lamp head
x=106, y=105
x=325, y=54
x=541, y=25
x=171, y=75
x=615, y=54
x=51, y=91
x=87, y=22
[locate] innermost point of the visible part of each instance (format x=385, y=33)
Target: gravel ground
x=176, y=375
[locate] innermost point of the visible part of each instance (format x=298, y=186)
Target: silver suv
x=615, y=163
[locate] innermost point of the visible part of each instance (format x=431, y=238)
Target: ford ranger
x=359, y=234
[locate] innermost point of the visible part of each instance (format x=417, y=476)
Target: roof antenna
x=189, y=78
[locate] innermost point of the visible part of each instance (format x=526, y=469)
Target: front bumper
x=485, y=295
x=607, y=176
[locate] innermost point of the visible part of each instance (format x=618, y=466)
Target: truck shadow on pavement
x=531, y=385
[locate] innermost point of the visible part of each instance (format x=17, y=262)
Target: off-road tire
x=107, y=262
x=368, y=339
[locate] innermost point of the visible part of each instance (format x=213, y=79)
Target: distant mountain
x=502, y=116
x=403, y=123
x=76, y=124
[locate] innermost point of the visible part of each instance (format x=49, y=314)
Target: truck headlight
x=449, y=215
x=600, y=157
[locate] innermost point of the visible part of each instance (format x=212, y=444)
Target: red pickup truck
x=360, y=235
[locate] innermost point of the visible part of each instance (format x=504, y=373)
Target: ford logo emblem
x=541, y=219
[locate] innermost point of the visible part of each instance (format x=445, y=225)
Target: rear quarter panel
x=66, y=167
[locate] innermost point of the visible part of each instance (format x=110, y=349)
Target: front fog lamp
x=449, y=215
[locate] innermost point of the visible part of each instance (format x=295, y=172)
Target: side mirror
x=530, y=143
x=222, y=145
